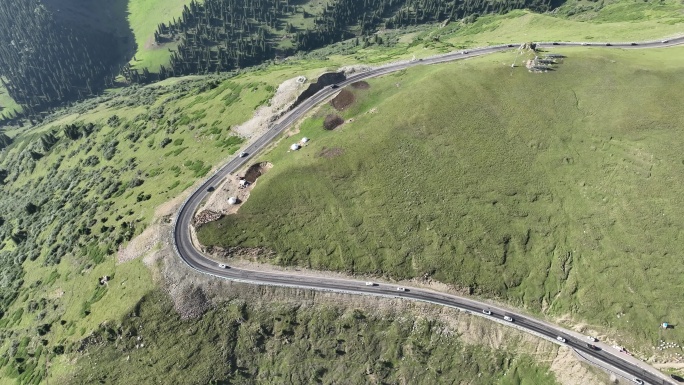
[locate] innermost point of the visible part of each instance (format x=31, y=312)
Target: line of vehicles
x=610, y=44
x=506, y=317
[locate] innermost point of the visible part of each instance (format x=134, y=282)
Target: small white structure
x=295, y=147
x=232, y=201
x=304, y=140
x=244, y=183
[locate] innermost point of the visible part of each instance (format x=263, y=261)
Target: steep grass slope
x=279, y=343
x=558, y=192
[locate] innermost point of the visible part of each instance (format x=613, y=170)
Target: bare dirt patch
x=332, y=121
x=148, y=240
x=362, y=85
x=331, y=152
x=255, y=171
x=281, y=102
x=343, y=100
x=140, y=245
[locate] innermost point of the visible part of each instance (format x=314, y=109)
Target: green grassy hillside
x=558, y=192
x=80, y=187
x=69, y=202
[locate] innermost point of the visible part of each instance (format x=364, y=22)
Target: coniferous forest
x=221, y=35
x=46, y=59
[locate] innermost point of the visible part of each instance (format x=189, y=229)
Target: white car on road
x=370, y=284
x=508, y=318
x=222, y=265
x=592, y=339
x=561, y=339
x=486, y=311
x=401, y=289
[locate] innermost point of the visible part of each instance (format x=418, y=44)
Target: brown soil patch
x=255, y=171
x=330, y=152
x=343, y=100
x=331, y=122
x=362, y=85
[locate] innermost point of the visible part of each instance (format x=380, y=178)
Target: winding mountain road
x=602, y=355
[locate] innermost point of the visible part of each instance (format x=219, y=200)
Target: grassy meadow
x=556, y=192
x=7, y=104
x=144, y=16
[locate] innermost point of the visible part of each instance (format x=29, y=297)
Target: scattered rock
x=189, y=301
x=206, y=216
x=249, y=253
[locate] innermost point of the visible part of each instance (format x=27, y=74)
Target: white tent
x=305, y=139
x=232, y=200
x=295, y=147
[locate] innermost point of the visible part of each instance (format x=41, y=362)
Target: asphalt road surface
x=604, y=356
